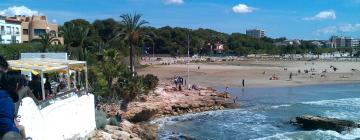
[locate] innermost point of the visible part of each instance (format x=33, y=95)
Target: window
x=8, y=30
x=2, y=30
x=17, y=31
x=39, y=32
x=25, y=31
x=13, y=39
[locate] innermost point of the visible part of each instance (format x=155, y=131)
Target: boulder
x=231, y=105
x=122, y=135
x=110, y=128
x=146, y=131
x=141, y=114
x=309, y=122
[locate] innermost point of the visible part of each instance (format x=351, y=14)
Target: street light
x=188, y=52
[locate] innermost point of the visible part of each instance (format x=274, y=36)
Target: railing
x=62, y=96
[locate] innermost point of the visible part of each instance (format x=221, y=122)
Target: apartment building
x=35, y=26
x=340, y=41
x=10, y=31
x=255, y=33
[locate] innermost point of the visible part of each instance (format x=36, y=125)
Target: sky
x=294, y=19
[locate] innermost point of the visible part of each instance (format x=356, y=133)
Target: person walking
x=290, y=76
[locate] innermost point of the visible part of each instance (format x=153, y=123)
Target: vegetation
x=46, y=41
x=132, y=34
x=100, y=119
x=109, y=47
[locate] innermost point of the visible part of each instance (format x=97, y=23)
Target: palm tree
x=132, y=33
x=82, y=34
x=68, y=31
x=46, y=40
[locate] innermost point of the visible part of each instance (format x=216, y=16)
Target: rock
x=111, y=129
x=122, y=135
x=126, y=126
x=114, y=137
x=202, y=93
x=146, y=131
x=136, y=138
x=101, y=135
x=141, y=114
x=231, y=105
x=309, y=122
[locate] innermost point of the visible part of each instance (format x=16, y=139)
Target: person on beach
x=226, y=89
x=290, y=76
x=243, y=82
x=235, y=99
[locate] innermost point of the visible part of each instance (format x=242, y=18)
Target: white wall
x=14, y=30
x=71, y=118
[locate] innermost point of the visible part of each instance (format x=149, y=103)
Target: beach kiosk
x=43, y=63
x=69, y=113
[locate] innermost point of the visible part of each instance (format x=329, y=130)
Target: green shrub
x=113, y=121
x=100, y=118
x=151, y=82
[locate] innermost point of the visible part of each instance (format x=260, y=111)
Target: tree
x=82, y=34
x=132, y=33
x=46, y=41
x=68, y=32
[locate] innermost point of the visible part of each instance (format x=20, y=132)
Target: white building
x=10, y=31
x=255, y=33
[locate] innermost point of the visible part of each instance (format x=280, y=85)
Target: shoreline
x=164, y=102
x=168, y=102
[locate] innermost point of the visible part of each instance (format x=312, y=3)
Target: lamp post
x=188, y=61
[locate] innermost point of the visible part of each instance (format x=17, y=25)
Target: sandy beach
x=258, y=73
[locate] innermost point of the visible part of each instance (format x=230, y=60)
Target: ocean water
x=266, y=112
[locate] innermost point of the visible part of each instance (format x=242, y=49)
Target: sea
x=265, y=114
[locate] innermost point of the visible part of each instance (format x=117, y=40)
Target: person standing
x=290, y=76
x=243, y=82
x=8, y=96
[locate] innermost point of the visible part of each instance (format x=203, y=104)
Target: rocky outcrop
x=170, y=102
x=165, y=102
x=127, y=131
x=309, y=122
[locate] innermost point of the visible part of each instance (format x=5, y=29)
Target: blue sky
x=296, y=19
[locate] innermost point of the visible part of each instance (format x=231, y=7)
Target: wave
x=354, y=102
x=278, y=106
x=314, y=135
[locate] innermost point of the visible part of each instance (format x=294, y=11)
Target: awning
x=46, y=65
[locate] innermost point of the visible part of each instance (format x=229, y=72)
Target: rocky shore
x=166, y=101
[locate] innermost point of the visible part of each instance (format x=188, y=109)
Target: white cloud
x=174, y=2
x=327, y=30
x=18, y=10
x=242, y=8
x=339, y=29
x=323, y=15
x=349, y=27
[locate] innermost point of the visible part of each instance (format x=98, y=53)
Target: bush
x=100, y=118
x=151, y=82
x=113, y=121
